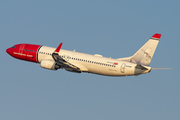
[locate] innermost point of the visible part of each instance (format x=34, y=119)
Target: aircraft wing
x=73, y=67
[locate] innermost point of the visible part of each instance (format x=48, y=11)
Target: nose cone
x=8, y=50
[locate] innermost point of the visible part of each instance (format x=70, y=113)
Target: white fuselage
x=56, y=58
x=91, y=63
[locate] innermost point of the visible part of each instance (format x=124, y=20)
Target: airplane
x=57, y=58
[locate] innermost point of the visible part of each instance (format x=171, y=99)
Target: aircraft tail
x=144, y=55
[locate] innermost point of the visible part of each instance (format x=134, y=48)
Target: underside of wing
x=64, y=64
x=69, y=66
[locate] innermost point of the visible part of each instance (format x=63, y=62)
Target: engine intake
x=49, y=64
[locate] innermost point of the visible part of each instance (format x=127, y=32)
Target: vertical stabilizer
x=144, y=55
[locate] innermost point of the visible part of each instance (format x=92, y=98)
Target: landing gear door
x=123, y=66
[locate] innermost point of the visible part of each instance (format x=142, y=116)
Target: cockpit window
x=13, y=46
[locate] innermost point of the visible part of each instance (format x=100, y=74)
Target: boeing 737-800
x=56, y=58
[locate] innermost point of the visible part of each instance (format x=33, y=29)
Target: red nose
x=8, y=50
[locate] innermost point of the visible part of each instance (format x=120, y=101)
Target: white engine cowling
x=49, y=64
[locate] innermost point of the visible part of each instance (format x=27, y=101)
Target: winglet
x=58, y=48
x=156, y=36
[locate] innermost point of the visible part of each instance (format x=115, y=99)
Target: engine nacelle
x=49, y=64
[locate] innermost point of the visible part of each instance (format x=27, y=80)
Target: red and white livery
x=56, y=58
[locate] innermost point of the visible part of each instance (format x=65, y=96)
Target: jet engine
x=49, y=64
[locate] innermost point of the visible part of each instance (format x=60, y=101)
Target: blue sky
x=116, y=28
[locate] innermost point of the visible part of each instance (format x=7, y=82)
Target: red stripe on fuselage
x=28, y=52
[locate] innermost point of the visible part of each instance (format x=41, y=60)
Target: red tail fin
x=156, y=36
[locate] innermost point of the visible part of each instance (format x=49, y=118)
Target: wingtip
x=156, y=36
x=58, y=48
